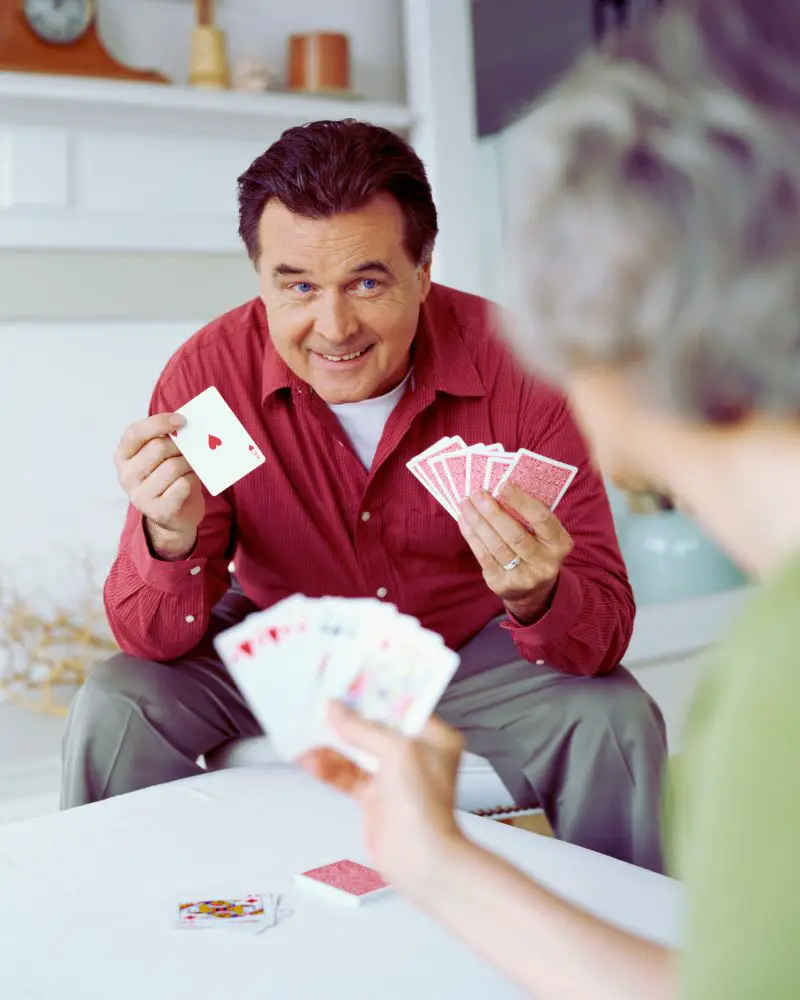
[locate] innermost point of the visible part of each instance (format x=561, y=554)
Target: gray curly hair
x=658, y=212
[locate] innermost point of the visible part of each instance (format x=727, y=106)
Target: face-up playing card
x=290, y=661
x=399, y=681
x=345, y=882
x=387, y=669
x=275, y=663
x=208, y=913
x=215, y=443
x=543, y=478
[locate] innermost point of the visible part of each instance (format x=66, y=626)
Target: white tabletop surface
x=87, y=899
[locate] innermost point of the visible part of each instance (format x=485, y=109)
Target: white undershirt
x=363, y=422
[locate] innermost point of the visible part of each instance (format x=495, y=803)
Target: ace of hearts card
x=215, y=443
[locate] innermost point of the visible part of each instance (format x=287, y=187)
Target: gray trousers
x=590, y=751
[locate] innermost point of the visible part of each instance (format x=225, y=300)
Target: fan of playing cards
x=292, y=659
x=451, y=471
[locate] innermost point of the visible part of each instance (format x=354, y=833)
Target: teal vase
x=670, y=558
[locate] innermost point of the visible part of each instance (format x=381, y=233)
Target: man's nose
x=336, y=321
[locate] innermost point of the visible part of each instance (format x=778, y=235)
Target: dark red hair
x=323, y=168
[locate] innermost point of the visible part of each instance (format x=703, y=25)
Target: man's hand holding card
x=521, y=556
x=162, y=460
x=160, y=484
x=504, y=505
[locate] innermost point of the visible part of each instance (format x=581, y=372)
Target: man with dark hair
x=349, y=363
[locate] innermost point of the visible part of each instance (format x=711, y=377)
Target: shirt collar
x=275, y=373
x=442, y=362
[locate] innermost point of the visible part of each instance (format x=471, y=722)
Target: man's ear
x=424, y=279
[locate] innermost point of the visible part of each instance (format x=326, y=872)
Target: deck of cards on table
x=345, y=882
x=292, y=659
x=214, y=442
x=451, y=471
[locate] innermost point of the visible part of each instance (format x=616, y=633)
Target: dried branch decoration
x=40, y=654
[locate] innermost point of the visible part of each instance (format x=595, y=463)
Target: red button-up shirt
x=298, y=523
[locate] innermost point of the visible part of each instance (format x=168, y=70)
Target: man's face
x=342, y=297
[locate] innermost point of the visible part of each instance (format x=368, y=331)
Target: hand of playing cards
x=452, y=471
x=292, y=659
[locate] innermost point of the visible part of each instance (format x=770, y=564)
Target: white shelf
x=95, y=164
x=682, y=628
x=166, y=101
x=116, y=165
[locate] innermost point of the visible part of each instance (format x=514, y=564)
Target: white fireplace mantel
x=101, y=165
x=112, y=165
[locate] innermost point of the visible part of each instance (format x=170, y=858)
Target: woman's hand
x=552, y=948
x=408, y=803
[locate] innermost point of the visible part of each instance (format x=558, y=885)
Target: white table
x=86, y=899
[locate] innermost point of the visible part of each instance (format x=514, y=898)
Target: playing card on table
x=215, y=443
x=543, y=478
x=345, y=882
x=254, y=912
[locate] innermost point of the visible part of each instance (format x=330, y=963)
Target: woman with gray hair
x=656, y=262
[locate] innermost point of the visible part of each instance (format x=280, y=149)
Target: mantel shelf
x=685, y=627
x=90, y=164
x=87, y=95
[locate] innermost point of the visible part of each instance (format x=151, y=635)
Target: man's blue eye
x=369, y=284
x=303, y=287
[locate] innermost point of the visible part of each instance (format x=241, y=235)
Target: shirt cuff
x=565, y=609
x=167, y=577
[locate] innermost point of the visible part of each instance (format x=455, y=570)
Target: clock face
x=59, y=21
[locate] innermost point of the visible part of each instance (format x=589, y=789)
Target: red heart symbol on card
x=246, y=647
x=214, y=442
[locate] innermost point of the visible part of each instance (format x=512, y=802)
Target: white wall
x=67, y=391
x=62, y=284
x=155, y=34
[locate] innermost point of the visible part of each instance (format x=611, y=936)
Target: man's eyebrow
x=372, y=265
x=284, y=269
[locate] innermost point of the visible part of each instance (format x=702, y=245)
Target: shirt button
x=365, y=515
x=189, y=619
x=194, y=570
x=381, y=592
x=540, y=663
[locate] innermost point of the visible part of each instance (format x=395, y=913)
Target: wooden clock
x=59, y=36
